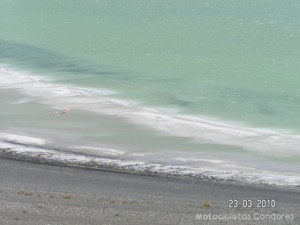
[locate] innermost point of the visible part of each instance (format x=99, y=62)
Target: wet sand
x=46, y=194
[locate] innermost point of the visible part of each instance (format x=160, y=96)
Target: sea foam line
x=59, y=96
x=36, y=154
x=22, y=139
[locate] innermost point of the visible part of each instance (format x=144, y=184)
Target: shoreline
x=231, y=162
x=46, y=194
x=42, y=154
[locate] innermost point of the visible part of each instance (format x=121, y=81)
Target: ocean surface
x=199, y=88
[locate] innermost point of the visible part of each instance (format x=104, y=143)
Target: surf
x=59, y=96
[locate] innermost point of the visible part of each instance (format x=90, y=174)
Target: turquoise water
x=235, y=63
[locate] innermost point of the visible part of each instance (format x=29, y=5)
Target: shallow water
x=159, y=81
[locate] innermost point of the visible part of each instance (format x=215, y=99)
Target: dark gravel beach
x=44, y=194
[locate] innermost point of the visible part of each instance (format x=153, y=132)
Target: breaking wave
x=41, y=153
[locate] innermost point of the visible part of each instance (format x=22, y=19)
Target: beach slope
x=44, y=194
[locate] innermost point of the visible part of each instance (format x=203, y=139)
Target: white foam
x=220, y=164
x=138, y=154
x=60, y=96
x=22, y=139
x=288, y=180
x=106, y=151
x=200, y=160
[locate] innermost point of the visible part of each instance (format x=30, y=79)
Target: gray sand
x=43, y=194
